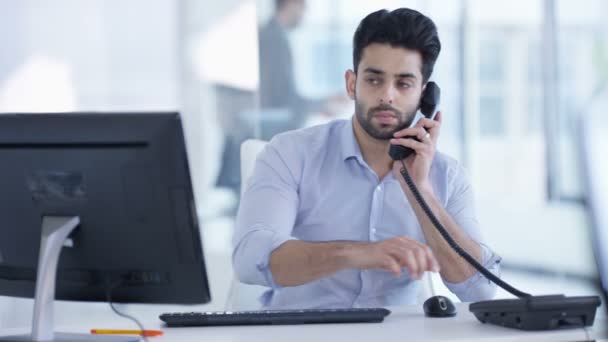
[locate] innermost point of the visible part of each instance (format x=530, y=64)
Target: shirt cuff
x=478, y=287
x=264, y=265
x=251, y=257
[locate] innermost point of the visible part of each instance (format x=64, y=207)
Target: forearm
x=298, y=262
x=454, y=268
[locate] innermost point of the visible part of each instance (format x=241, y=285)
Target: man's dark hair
x=278, y=4
x=402, y=27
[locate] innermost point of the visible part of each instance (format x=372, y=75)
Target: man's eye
x=373, y=81
x=404, y=85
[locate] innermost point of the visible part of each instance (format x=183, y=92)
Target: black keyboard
x=265, y=317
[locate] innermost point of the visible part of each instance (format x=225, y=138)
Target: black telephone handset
x=428, y=108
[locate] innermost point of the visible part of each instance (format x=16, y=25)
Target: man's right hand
x=393, y=254
x=298, y=262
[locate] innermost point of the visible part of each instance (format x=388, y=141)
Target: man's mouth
x=385, y=117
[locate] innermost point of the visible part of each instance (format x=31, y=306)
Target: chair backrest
x=245, y=297
x=249, y=152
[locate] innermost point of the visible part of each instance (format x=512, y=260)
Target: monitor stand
x=55, y=232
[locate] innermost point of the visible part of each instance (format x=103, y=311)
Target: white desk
x=404, y=324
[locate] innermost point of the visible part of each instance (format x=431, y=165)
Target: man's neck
x=282, y=20
x=374, y=151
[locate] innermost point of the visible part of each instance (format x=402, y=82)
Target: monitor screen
x=125, y=177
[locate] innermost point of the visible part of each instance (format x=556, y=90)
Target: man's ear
x=350, y=79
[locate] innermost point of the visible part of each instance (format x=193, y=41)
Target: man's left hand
x=419, y=163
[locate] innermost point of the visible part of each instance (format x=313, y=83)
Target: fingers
x=439, y=117
x=413, y=264
x=428, y=124
x=416, y=257
x=432, y=126
x=426, y=260
x=416, y=131
x=407, y=258
x=418, y=147
x=425, y=123
x=390, y=264
x=423, y=126
x=431, y=260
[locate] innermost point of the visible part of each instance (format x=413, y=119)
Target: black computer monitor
x=594, y=140
x=122, y=181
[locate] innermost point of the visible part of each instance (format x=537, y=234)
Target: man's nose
x=387, y=95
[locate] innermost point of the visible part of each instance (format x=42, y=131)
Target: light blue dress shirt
x=313, y=185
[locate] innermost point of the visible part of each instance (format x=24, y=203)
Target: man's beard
x=404, y=120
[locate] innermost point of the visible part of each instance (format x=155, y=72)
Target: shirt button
x=373, y=230
x=379, y=188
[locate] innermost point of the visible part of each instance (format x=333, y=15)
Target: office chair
x=244, y=296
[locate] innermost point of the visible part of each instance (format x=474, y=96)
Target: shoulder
x=270, y=32
x=294, y=149
x=449, y=172
x=308, y=141
x=445, y=164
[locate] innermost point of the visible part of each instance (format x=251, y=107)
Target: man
x=327, y=220
x=282, y=108
x=278, y=92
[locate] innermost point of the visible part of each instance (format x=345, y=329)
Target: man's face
x=386, y=89
x=295, y=10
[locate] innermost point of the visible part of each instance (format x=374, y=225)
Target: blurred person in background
x=282, y=108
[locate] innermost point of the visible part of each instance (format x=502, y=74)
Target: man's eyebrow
x=374, y=71
x=406, y=75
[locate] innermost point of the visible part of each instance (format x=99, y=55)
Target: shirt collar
x=349, y=144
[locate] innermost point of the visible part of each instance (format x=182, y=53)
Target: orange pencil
x=147, y=333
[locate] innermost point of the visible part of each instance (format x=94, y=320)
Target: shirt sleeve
x=461, y=208
x=265, y=218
